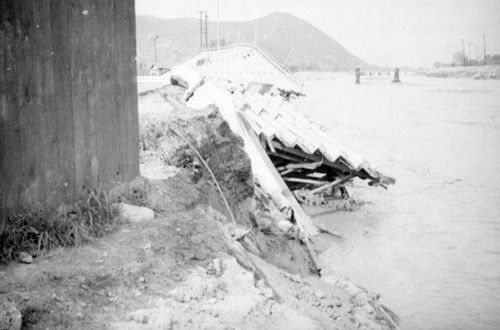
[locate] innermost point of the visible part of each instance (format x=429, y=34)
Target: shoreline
x=468, y=72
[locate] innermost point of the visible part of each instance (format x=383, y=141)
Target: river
x=430, y=245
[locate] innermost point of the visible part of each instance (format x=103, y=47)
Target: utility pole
x=484, y=44
x=477, y=58
x=206, y=29
x=201, y=30
x=463, y=52
x=470, y=58
x=218, y=23
x=154, y=46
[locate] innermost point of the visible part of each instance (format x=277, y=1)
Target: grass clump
x=39, y=229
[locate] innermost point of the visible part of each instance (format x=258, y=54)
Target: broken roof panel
x=251, y=80
x=243, y=64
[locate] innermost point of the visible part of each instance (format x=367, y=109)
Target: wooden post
x=68, y=99
x=396, y=76
x=358, y=75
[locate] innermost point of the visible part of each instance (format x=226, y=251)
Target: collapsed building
x=292, y=158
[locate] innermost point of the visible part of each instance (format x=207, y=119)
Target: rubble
x=288, y=152
x=190, y=266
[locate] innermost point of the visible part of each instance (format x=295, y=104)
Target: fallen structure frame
x=292, y=157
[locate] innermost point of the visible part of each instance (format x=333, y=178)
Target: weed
x=39, y=229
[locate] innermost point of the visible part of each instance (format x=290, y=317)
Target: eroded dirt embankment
x=191, y=266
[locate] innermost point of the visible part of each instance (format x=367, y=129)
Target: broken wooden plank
x=285, y=172
x=300, y=153
x=316, y=175
x=308, y=181
x=307, y=166
x=340, y=180
x=385, y=179
x=270, y=144
x=286, y=157
x=304, y=222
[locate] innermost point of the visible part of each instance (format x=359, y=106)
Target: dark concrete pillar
x=396, y=76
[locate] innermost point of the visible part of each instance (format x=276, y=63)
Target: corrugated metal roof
x=244, y=64
x=268, y=113
x=282, y=121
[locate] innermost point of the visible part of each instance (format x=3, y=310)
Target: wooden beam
x=316, y=158
x=286, y=157
x=285, y=172
x=333, y=184
x=308, y=166
x=308, y=181
x=270, y=144
x=304, y=222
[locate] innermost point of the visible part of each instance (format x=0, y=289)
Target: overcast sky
x=383, y=32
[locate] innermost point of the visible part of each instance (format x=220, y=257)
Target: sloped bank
x=191, y=266
x=275, y=256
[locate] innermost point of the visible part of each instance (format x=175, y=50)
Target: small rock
x=285, y=226
x=79, y=315
x=142, y=279
x=135, y=213
x=212, y=301
x=25, y=258
x=217, y=267
x=240, y=233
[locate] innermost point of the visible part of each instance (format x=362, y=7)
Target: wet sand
x=430, y=244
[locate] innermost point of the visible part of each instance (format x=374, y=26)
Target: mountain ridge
x=288, y=39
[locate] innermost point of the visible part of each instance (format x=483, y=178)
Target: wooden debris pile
x=312, y=164
x=313, y=179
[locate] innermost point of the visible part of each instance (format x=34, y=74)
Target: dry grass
x=39, y=229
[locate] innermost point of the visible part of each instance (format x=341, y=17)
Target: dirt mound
x=212, y=138
x=223, y=151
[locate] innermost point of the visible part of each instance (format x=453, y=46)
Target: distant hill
x=281, y=35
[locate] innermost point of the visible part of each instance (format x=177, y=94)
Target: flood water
x=430, y=245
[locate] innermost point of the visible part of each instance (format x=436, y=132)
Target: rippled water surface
x=431, y=243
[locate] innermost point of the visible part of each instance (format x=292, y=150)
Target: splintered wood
x=312, y=178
